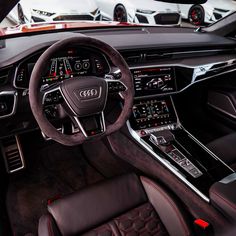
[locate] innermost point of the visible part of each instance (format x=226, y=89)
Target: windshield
x=30, y=15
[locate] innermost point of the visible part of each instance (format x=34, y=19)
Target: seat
x=224, y=148
x=127, y=205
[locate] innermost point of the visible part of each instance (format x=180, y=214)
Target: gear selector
x=165, y=141
x=164, y=137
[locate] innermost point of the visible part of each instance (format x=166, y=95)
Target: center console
x=154, y=124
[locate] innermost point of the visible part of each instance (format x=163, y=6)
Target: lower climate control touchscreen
x=152, y=113
x=156, y=80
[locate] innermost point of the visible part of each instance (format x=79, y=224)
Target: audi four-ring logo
x=88, y=93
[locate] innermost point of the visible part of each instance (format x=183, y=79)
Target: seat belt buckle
x=203, y=228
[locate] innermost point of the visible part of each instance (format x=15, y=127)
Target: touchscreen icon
x=155, y=83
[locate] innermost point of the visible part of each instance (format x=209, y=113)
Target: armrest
x=223, y=196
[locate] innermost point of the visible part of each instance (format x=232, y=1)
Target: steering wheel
x=83, y=98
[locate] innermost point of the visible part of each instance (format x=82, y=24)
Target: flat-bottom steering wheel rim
x=35, y=97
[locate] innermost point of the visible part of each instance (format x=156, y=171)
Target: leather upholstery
x=167, y=209
x=224, y=148
x=223, y=196
x=142, y=220
x=116, y=207
x=82, y=210
x=49, y=227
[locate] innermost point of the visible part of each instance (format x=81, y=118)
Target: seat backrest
x=92, y=206
x=123, y=204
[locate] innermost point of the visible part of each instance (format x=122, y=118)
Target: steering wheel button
x=122, y=88
x=48, y=99
x=3, y=106
x=55, y=99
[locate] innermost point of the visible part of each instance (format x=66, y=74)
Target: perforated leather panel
x=141, y=221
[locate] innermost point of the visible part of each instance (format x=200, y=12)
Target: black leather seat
x=224, y=148
x=127, y=205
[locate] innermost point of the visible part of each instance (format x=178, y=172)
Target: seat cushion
x=224, y=148
x=120, y=206
x=142, y=220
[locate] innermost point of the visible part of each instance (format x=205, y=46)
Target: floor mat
x=53, y=171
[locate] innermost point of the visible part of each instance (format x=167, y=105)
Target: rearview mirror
x=171, y=19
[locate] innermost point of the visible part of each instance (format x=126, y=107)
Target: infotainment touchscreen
x=151, y=113
x=155, y=80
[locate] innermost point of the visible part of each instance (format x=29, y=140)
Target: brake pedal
x=12, y=153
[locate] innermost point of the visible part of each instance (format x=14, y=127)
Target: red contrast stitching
x=49, y=224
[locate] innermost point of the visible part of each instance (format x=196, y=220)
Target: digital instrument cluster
x=152, y=113
x=154, y=81
x=65, y=65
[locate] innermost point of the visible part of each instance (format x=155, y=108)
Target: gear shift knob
x=162, y=137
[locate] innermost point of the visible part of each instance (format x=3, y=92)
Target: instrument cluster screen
x=73, y=62
x=67, y=67
x=152, y=81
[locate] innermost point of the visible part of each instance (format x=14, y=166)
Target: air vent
x=223, y=65
x=8, y=100
x=154, y=56
x=144, y=56
x=12, y=153
x=219, y=65
x=4, y=75
x=132, y=57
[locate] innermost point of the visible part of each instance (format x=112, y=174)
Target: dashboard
x=73, y=62
x=162, y=65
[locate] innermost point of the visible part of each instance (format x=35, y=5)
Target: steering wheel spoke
x=115, y=86
x=52, y=96
x=90, y=126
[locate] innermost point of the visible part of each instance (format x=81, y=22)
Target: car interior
x=125, y=130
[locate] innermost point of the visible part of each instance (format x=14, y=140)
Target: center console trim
x=135, y=135
x=228, y=179
x=165, y=163
x=205, y=148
